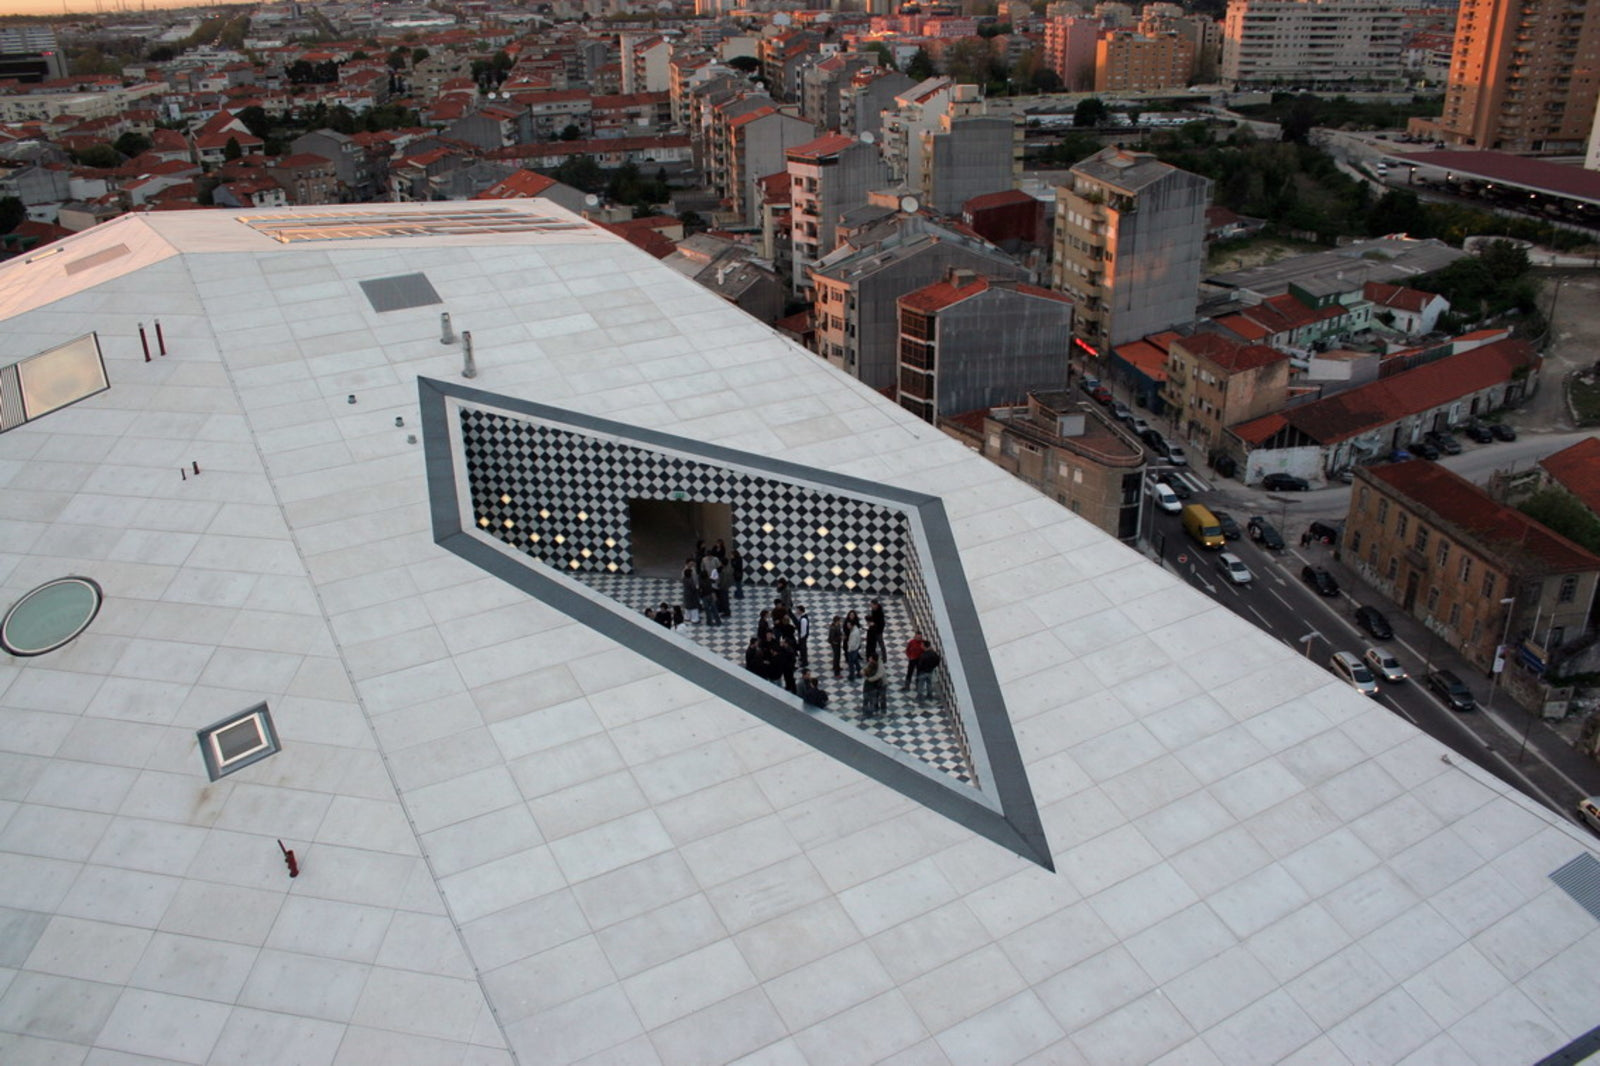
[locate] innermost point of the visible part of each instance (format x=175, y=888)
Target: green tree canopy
x=745, y=64
x=97, y=155
x=1563, y=512
x=232, y=150
x=920, y=66
x=131, y=144
x=1091, y=111
x=884, y=53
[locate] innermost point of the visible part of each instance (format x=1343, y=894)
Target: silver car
x=1386, y=666
x=1353, y=672
x=1234, y=567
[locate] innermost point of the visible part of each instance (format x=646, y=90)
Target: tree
x=1397, y=211
x=1302, y=117
x=582, y=173
x=418, y=55
x=745, y=64
x=1091, y=111
x=162, y=53
x=256, y=121
x=920, y=66
x=884, y=53
x=131, y=144
x=398, y=58
x=571, y=132
x=1505, y=260
x=1563, y=512
x=12, y=213
x=97, y=155
x=232, y=150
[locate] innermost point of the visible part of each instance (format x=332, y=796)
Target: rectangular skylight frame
x=219, y=741
x=60, y=377
x=288, y=227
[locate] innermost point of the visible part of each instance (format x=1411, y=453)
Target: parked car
x=1262, y=532
x=1450, y=688
x=1323, y=532
x=1120, y=412
x=1230, y=528
x=1372, y=620
x=1353, y=672
x=1479, y=432
x=1165, y=498
x=1179, y=489
x=1384, y=665
x=1589, y=811
x=1443, y=441
x=1320, y=580
x=1399, y=455
x=1160, y=447
x=1424, y=450
x=1089, y=384
x=1177, y=456
x=1284, y=483
x=1502, y=431
x=1102, y=396
x=1234, y=568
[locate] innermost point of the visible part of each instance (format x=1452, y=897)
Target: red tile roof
x=1005, y=198
x=1397, y=296
x=826, y=145
x=1387, y=400
x=1228, y=355
x=519, y=186
x=760, y=112
x=1514, y=169
x=1577, y=469
x=1243, y=327
x=1146, y=357
x=1475, y=514
x=942, y=294
x=1259, y=429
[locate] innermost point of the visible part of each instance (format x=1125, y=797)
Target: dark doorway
x=1411, y=592
x=664, y=532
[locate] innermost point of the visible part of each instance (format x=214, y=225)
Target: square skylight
x=237, y=741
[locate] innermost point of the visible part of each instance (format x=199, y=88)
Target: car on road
x=1102, y=396
x=1176, y=455
x=1089, y=383
x=1284, y=483
x=1233, y=566
x=1162, y=448
x=1384, y=665
x=1502, y=431
x=1479, y=432
x=1452, y=690
x=1230, y=528
x=1372, y=620
x=1139, y=426
x=1179, y=489
x=1589, y=811
x=1444, y=442
x=1262, y=532
x=1423, y=449
x=1323, y=532
x=1320, y=580
x=1353, y=672
x=1165, y=498
x=1120, y=412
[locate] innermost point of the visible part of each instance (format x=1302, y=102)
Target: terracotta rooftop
x=829, y=144
x=1230, y=355
x=1475, y=516
x=1397, y=296
x=1368, y=407
x=1004, y=198
x=942, y=294
x=1577, y=469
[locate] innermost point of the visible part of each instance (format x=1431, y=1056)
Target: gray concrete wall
x=996, y=346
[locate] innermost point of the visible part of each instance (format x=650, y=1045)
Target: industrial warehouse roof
x=527, y=831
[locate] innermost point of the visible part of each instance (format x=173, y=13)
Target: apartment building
x=1524, y=77
x=1472, y=570
x=969, y=342
x=1214, y=382
x=1129, y=245
x=1313, y=44
x=965, y=156
x=821, y=81
x=1136, y=62
x=1069, y=50
x=827, y=177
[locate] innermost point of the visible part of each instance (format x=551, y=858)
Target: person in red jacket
x=914, y=649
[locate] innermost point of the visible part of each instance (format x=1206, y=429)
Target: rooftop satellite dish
x=869, y=137
x=592, y=200
x=909, y=204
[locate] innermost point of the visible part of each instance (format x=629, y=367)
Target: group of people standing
x=710, y=576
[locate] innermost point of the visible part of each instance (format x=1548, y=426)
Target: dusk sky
x=56, y=7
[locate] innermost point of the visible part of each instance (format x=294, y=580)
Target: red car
x=1102, y=395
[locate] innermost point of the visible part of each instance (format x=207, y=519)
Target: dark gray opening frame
x=1002, y=809
x=214, y=766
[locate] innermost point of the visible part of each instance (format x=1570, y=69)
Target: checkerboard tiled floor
x=919, y=727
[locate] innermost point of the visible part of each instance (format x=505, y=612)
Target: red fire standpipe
x=288, y=857
x=144, y=342
x=161, y=341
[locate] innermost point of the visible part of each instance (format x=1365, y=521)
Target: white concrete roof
x=523, y=840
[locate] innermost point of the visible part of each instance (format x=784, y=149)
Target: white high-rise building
x=1313, y=43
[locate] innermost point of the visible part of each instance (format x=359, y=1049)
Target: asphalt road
x=1280, y=603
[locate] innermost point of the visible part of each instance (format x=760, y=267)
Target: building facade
x=1213, y=383
x=966, y=156
x=968, y=342
x=827, y=177
x=1129, y=245
x=1133, y=62
x=1069, y=50
x=1472, y=570
x=1313, y=43
x=1524, y=77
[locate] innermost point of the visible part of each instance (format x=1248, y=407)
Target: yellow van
x=1203, y=526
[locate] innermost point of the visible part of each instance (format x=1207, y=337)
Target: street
x=1278, y=601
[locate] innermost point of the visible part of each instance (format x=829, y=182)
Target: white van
x=1165, y=498
x=1353, y=672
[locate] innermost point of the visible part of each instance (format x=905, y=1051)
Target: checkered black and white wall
x=562, y=497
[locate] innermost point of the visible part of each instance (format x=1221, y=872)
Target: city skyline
x=82, y=8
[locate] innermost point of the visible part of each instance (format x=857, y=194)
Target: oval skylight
x=50, y=616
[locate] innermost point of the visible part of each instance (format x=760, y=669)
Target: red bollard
x=161, y=341
x=288, y=857
x=145, y=342
x=197, y=467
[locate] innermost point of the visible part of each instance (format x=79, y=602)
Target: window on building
x=1383, y=511
x=1361, y=499
x=1477, y=631
x=1442, y=555
x=1421, y=543
x=1402, y=525
x=1394, y=567
x=1433, y=599
x=1569, y=589
x=1455, y=615
x=1355, y=541
x=1488, y=586
x=1466, y=569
